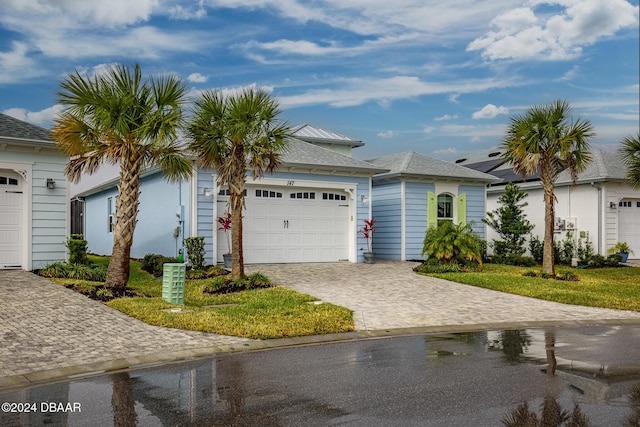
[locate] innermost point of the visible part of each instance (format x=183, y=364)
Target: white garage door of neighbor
x=11, y=217
x=629, y=225
x=287, y=224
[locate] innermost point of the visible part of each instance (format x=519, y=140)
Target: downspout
x=599, y=188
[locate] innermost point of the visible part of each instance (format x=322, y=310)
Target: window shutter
x=432, y=210
x=462, y=208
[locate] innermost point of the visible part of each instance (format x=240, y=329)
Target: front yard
x=617, y=288
x=273, y=312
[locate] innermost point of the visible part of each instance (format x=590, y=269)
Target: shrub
x=449, y=242
x=536, y=248
x=195, y=251
x=152, y=263
x=77, y=249
x=224, y=285
x=65, y=270
x=438, y=267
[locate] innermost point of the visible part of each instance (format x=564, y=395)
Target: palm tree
x=547, y=139
x=119, y=118
x=630, y=152
x=236, y=134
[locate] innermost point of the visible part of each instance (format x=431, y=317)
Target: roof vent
x=460, y=160
x=495, y=153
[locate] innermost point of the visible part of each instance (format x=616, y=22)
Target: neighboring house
x=33, y=197
x=418, y=192
x=601, y=205
x=309, y=211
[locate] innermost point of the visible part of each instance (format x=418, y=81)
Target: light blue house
x=417, y=192
x=309, y=211
x=33, y=197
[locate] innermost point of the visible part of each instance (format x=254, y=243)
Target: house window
x=333, y=196
x=8, y=181
x=303, y=195
x=625, y=204
x=268, y=194
x=445, y=208
x=111, y=213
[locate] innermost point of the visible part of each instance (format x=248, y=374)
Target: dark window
x=10, y=181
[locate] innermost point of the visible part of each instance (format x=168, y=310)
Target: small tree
x=195, y=251
x=367, y=232
x=510, y=222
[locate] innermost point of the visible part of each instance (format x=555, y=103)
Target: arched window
x=445, y=207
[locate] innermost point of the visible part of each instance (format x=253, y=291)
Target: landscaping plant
x=195, y=251
x=367, y=232
x=450, y=243
x=77, y=246
x=510, y=222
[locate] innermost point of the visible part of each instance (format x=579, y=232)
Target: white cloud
x=386, y=135
x=42, y=118
x=357, y=91
x=521, y=34
x=489, y=111
x=571, y=74
x=446, y=117
x=186, y=13
x=97, y=12
x=197, y=78
x=15, y=64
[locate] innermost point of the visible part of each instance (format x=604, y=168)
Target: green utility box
x=173, y=275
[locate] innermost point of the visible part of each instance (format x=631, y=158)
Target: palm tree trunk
x=237, y=256
x=126, y=220
x=549, y=218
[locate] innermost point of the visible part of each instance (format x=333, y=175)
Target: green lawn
x=260, y=313
x=604, y=287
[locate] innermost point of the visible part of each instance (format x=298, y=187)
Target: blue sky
x=434, y=76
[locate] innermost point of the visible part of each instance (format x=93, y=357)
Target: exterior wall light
x=364, y=198
x=612, y=205
x=206, y=192
x=51, y=184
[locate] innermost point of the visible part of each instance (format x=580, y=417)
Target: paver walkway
x=48, y=332
x=44, y=326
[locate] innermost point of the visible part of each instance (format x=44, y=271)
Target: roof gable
x=304, y=154
x=311, y=134
x=420, y=165
x=605, y=165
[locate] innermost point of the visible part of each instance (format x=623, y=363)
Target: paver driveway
x=388, y=295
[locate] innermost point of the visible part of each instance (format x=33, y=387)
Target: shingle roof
x=410, y=163
x=605, y=165
x=310, y=133
x=13, y=128
x=301, y=153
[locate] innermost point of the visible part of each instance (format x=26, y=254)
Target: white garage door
x=287, y=224
x=11, y=217
x=629, y=224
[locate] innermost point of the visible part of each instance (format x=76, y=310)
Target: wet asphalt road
x=463, y=379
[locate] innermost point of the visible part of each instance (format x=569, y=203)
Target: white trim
x=25, y=171
x=214, y=197
x=403, y=221
x=193, y=203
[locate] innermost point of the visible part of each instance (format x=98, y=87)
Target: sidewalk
x=48, y=332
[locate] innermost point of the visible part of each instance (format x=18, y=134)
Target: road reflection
x=566, y=376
